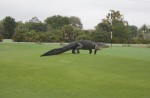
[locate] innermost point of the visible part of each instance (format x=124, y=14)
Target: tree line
x=59, y=28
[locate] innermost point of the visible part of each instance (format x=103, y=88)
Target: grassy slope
x=119, y=72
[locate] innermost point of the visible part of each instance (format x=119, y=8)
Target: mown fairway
x=120, y=72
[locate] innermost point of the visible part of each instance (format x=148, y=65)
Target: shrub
x=147, y=45
x=18, y=37
x=141, y=41
x=1, y=38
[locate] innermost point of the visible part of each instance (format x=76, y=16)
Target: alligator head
x=100, y=45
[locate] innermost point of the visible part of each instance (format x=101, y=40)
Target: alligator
x=76, y=46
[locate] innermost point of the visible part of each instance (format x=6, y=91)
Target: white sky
x=91, y=12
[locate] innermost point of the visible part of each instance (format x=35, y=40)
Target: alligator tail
x=59, y=50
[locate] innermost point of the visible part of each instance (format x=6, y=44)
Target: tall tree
x=1, y=28
x=68, y=33
x=21, y=27
x=134, y=31
x=113, y=18
x=35, y=20
x=101, y=33
x=1, y=31
x=36, y=25
x=9, y=25
x=57, y=21
x=114, y=22
x=144, y=31
x=75, y=21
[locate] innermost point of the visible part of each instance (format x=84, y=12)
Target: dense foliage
x=9, y=26
x=1, y=38
x=66, y=29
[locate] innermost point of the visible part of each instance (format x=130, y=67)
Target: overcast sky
x=91, y=12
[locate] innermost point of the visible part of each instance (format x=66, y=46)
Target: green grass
x=118, y=72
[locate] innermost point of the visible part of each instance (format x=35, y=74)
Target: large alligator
x=76, y=46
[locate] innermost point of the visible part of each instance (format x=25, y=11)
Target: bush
x=140, y=41
x=1, y=38
x=120, y=41
x=131, y=41
x=18, y=37
x=147, y=45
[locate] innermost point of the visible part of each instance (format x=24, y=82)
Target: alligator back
x=87, y=45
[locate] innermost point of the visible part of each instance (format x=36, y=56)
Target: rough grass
x=118, y=72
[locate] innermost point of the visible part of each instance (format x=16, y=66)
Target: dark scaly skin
x=86, y=45
x=75, y=47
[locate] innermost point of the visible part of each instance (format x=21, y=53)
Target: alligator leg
x=95, y=51
x=90, y=51
x=73, y=51
x=79, y=47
